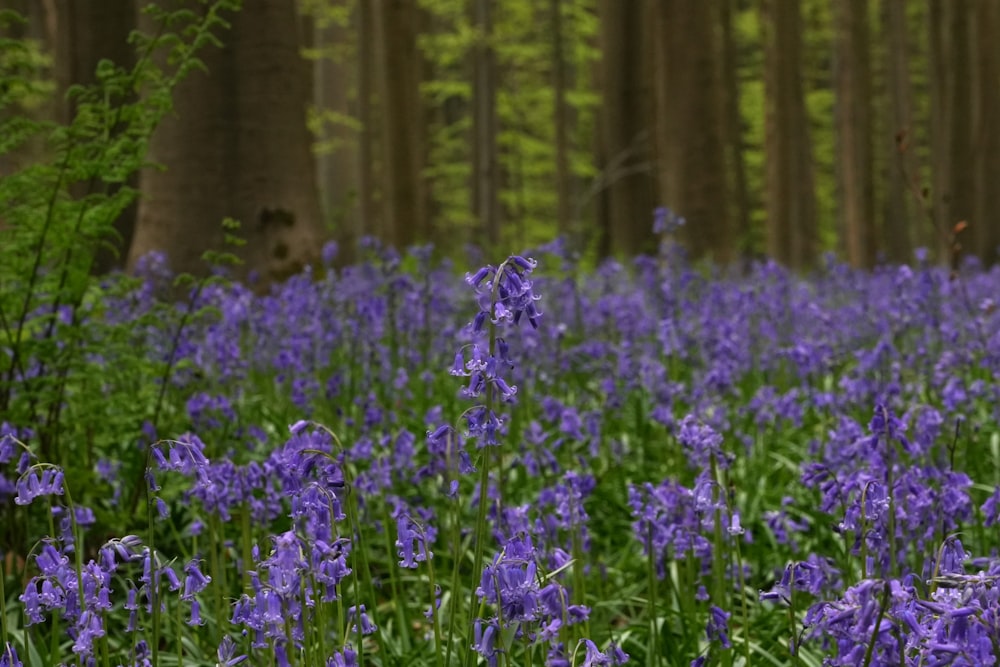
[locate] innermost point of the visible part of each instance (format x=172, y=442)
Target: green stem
x=453, y=609
x=434, y=610
x=4, y=640
x=397, y=600
x=654, y=651
x=218, y=574
x=870, y=652
x=743, y=598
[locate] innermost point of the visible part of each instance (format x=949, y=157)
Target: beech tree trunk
x=853, y=119
x=690, y=122
x=986, y=133
x=237, y=145
x=560, y=83
x=485, y=162
x=739, y=210
x=338, y=164
x=790, y=198
x=952, y=117
x=902, y=169
x=402, y=149
x=86, y=32
x=624, y=160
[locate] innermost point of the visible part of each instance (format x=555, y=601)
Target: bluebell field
x=651, y=463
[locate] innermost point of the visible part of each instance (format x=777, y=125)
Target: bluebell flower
x=31, y=485
x=227, y=653
x=485, y=640
x=367, y=627
x=717, y=628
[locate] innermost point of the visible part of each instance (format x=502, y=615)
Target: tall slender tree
x=790, y=197
x=237, y=146
x=853, y=119
x=626, y=174
x=951, y=120
x=690, y=123
x=986, y=133
x=337, y=122
x=485, y=158
x=402, y=138
x=899, y=144
x=740, y=208
x=561, y=117
x=86, y=32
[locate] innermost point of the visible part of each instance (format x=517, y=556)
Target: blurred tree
x=367, y=209
x=986, y=132
x=561, y=118
x=853, y=119
x=335, y=120
x=485, y=163
x=735, y=145
x=951, y=117
x=399, y=65
x=86, y=32
x=626, y=182
x=902, y=168
x=237, y=146
x=690, y=124
x=790, y=197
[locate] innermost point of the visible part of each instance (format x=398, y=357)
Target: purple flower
x=227, y=653
x=594, y=657
x=412, y=548
x=367, y=627
x=718, y=626
x=485, y=641
x=31, y=485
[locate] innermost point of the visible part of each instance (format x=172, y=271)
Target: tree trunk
x=740, y=209
x=86, y=32
x=561, y=119
x=485, y=171
x=986, y=139
x=237, y=145
x=367, y=41
x=853, y=118
x=334, y=78
x=902, y=169
x=626, y=183
x=790, y=198
x=951, y=120
x=690, y=122
x=402, y=122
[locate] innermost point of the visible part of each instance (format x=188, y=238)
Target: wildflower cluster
x=504, y=296
x=673, y=444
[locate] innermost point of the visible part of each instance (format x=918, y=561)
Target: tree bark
x=402, y=122
x=951, y=121
x=690, y=121
x=485, y=169
x=338, y=172
x=237, y=146
x=562, y=119
x=626, y=174
x=86, y=32
x=902, y=169
x=367, y=41
x=986, y=127
x=740, y=209
x=853, y=118
x=790, y=198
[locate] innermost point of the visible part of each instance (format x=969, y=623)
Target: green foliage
x=70, y=371
x=522, y=43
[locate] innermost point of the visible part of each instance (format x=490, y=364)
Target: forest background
x=784, y=128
